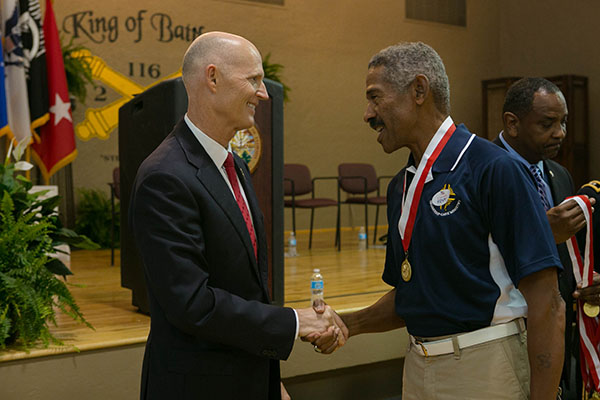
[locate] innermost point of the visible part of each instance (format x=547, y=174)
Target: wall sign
x=100, y=122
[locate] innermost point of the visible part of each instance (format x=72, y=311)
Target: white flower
x=20, y=149
x=23, y=166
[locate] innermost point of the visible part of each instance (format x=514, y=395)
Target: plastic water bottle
x=292, y=249
x=362, y=238
x=316, y=287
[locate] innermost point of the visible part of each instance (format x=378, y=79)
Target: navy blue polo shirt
x=469, y=254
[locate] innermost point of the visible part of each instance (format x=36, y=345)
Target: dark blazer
x=561, y=187
x=213, y=333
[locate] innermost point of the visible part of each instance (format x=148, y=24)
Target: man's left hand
x=328, y=341
x=590, y=294
x=566, y=220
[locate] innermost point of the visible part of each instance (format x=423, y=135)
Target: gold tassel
x=593, y=395
x=584, y=393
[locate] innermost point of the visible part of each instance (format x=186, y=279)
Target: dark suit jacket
x=592, y=190
x=561, y=187
x=213, y=333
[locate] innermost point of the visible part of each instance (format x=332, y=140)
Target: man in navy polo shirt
x=470, y=253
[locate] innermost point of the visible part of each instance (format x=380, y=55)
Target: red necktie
x=230, y=169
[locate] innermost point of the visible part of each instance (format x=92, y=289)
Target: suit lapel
x=551, y=182
x=498, y=142
x=210, y=177
x=560, y=183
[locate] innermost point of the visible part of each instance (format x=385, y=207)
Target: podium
x=147, y=119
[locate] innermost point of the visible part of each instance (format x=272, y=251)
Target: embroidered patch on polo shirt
x=444, y=202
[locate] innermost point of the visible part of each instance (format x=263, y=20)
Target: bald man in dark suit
x=200, y=233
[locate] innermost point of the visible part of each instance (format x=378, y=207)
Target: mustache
x=375, y=123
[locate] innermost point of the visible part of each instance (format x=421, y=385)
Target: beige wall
x=111, y=373
x=325, y=47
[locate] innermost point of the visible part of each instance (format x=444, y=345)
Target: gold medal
x=589, y=309
x=406, y=270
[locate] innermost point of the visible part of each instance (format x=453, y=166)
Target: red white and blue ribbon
x=583, y=271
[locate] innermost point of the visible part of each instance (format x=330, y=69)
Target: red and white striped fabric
x=589, y=330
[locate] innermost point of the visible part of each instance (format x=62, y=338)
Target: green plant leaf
x=94, y=217
x=5, y=325
x=72, y=238
x=77, y=70
x=57, y=267
x=273, y=72
x=30, y=292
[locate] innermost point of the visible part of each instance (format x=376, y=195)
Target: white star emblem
x=60, y=110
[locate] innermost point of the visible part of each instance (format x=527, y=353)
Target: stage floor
x=352, y=279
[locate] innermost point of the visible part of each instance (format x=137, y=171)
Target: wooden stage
x=352, y=279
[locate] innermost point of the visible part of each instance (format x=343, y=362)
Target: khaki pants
x=498, y=369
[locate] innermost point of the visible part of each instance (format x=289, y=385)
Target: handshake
x=323, y=327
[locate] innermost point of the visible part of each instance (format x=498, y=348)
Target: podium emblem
x=246, y=144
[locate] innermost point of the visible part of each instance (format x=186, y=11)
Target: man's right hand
x=378, y=317
x=314, y=322
x=329, y=341
x=566, y=220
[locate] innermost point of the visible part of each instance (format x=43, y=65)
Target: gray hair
x=402, y=62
